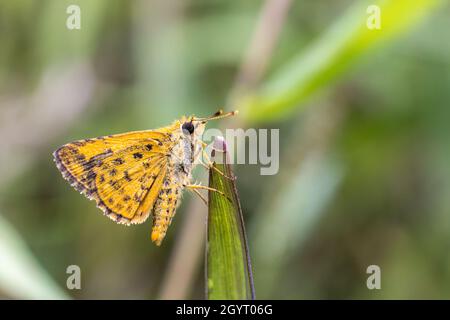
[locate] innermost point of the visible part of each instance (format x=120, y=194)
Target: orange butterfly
x=133, y=174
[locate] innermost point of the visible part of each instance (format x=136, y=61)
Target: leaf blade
x=228, y=267
x=331, y=55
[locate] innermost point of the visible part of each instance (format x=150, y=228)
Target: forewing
x=121, y=172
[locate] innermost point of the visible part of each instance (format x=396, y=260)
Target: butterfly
x=137, y=174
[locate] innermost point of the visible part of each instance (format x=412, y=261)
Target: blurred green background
x=364, y=142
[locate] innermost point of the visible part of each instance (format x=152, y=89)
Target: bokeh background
x=364, y=142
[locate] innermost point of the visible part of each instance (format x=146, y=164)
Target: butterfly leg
x=199, y=186
x=200, y=195
x=210, y=165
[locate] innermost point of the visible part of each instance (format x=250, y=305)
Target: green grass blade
x=333, y=53
x=228, y=268
x=21, y=276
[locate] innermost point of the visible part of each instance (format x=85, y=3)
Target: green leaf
x=21, y=276
x=333, y=53
x=228, y=268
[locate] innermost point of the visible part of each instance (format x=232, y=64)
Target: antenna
x=218, y=115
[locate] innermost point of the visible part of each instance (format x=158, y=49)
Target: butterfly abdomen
x=164, y=210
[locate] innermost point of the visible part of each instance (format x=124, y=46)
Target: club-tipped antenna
x=218, y=115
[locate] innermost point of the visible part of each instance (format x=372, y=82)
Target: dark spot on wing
x=137, y=155
x=118, y=161
x=114, y=184
x=91, y=175
x=143, y=178
x=96, y=160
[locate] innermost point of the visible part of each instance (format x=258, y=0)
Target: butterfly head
x=194, y=127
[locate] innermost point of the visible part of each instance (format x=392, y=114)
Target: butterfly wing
x=123, y=173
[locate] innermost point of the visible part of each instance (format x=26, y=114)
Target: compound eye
x=188, y=126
